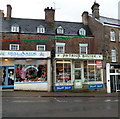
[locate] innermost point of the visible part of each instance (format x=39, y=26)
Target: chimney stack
x=1, y=14
x=49, y=14
x=95, y=10
x=85, y=18
x=9, y=11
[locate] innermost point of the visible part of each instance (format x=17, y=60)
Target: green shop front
x=78, y=71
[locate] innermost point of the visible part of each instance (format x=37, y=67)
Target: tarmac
x=13, y=93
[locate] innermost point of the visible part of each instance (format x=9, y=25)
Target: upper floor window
x=40, y=29
x=14, y=46
x=60, y=47
x=60, y=30
x=82, y=32
x=112, y=35
x=15, y=28
x=83, y=48
x=113, y=55
x=40, y=47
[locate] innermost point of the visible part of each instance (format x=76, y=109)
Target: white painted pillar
x=49, y=75
x=108, y=78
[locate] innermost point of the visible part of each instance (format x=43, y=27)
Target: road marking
x=107, y=100
x=116, y=100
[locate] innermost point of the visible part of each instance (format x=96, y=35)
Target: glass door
x=7, y=76
x=77, y=74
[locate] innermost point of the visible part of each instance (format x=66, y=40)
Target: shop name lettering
x=25, y=53
x=81, y=56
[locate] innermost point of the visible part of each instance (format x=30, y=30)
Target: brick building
x=106, y=32
x=79, y=51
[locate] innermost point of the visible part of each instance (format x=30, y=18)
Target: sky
x=65, y=10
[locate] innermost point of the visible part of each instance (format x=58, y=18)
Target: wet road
x=60, y=107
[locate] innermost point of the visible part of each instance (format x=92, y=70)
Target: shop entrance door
x=77, y=74
x=7, y=76
x=115, y=83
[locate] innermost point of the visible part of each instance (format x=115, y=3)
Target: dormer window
x=40, y=29
x=60, y=30
x=82, y=32
x=15, y=28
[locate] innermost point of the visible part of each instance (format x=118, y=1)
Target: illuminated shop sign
x=24, y=54
x=80, y=56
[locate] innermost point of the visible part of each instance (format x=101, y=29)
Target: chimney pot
x=1, y=14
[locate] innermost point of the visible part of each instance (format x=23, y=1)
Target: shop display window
x=63, y=71
x=31, y=72
x=91, y=71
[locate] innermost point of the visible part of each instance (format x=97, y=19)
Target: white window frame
x=112, y=35
x=37, y=47
x=113, y=55
x=82, y=32
x=60, y=45
x=40, y=29
x=15, y=28
x=83, y=46
x=60, y=30
x=15, y=45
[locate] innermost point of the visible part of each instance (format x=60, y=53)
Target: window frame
x=82, y=32
x=60, y=30
x=38, y=48
x=113, y=55
x=40, y=29
x=112, y=35
x=58, y=45
x=10, y=46
x=83, y=46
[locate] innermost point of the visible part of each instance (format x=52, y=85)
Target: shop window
x=112, y=35
x=63, y=71
x=31, y=72
x=92, y=72
x=113, y=55
x=40, y=47
x=60, y=30
x=14, y=46
x=40, y=29
x=82, y=32
x=83, y=48
x=60, y=47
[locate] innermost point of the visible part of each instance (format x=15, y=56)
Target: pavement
x=13, y=93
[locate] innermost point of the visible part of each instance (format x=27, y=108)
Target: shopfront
x=26, y=70
x=76, y=71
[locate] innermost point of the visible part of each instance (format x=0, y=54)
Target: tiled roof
x=110, y=21
x=30, y=25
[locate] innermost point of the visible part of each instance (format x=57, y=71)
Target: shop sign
x=99, y=64
x=80, y=56
x=61, y=88
x=24, y=54
x=95, y=86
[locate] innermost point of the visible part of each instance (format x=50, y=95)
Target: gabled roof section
x=29, y=26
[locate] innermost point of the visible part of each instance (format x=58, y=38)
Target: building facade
x=106, y=32
x=45, y=55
